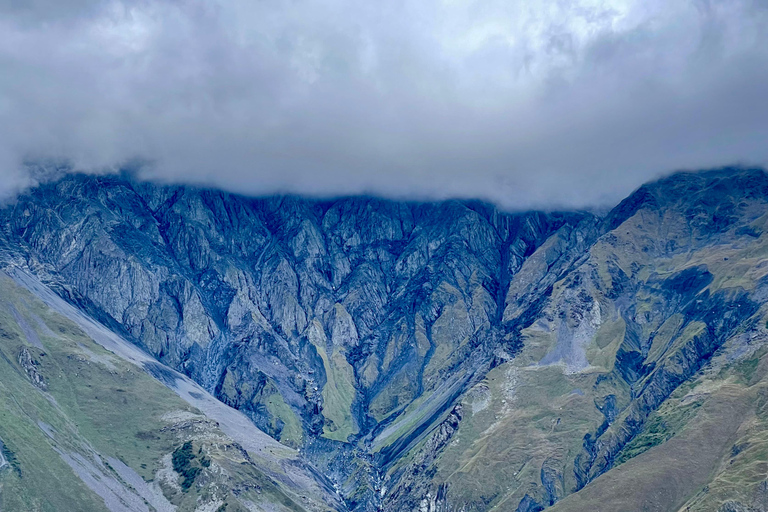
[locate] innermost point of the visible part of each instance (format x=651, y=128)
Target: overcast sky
x=546, y=103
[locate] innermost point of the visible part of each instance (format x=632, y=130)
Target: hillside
x=409, y=356
x=84, y=425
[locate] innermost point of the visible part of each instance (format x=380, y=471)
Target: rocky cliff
x=423, y=356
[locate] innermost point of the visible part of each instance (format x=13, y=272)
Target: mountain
x=397, y=355
x=90, y=422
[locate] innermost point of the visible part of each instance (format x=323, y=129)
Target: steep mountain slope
x=445, y=356
x=323, y=321
x=610, y=368
x=84, y=428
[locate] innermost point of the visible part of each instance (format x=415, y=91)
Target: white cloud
x=528, y=104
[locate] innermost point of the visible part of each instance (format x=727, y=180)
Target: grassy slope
x=713, y=449
x=514, y=421
x=338, y=392
x=100, y=407
x=41, y=480
x=663, y=477
x=518, y=423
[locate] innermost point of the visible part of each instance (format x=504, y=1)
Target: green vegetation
x=118, y=408
x=39, y=479
x=10, y=456
x=291, y=433
x=339, y=389
x=399, y=392
x=661, y=426
x=182, y=464
x=99, y=407
x=412, y=416
x=239, y=390
x=533, y=414
x=747, y=368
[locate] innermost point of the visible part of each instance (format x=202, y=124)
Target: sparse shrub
x=659, y=428
x=182, y=464
x=12, y=460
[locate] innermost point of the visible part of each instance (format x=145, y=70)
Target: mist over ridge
x=570, y=104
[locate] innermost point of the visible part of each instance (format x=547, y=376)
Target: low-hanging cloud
x=560, y=103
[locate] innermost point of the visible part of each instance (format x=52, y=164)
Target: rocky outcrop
x=30, y=367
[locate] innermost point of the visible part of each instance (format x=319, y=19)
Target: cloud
x=527, y=104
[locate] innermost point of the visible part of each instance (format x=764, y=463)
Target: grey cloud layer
x=527, y=104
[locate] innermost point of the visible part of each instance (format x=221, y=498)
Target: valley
x=361, y=354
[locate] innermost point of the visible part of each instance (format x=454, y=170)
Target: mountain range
x=176, y=348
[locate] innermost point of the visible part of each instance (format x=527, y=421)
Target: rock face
x=367, y=333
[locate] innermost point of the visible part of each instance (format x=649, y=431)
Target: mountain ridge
x=364, y=331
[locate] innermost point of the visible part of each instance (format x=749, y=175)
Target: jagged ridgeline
x=418, y=356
